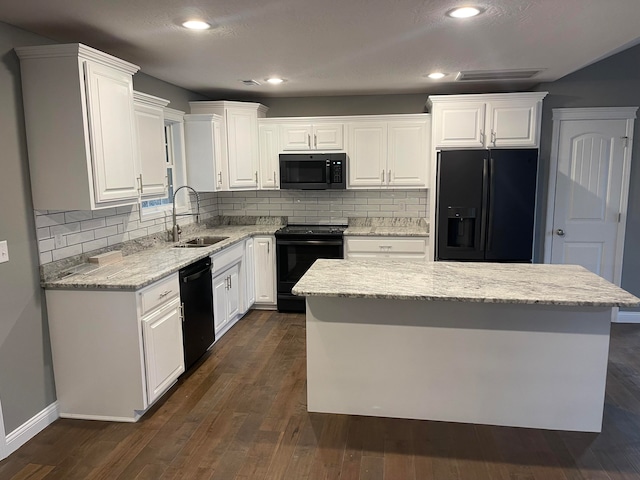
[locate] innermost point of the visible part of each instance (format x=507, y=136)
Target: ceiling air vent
x=250, y=83
x=486, y=75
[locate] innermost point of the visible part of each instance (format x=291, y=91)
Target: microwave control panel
x=336, y=171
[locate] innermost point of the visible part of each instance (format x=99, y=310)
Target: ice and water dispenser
x=461, y=227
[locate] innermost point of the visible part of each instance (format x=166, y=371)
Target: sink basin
x=200, y=242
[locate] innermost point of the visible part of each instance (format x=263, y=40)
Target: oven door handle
x=310, y=242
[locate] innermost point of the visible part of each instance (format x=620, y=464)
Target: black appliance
x=196, y=295
x=317, y=171
x=486, y=205
x=297, y=247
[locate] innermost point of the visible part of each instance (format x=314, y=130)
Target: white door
x=588, y=207
x=408, y=160
x=513, y=124
x=151, y=150
x=328, y=136
x=269, y=159
x=367, y=154
x=460, y=125
x=220, y=312
x=242, y=145
x=296, y=136
x=233, y=293
x=265, y=270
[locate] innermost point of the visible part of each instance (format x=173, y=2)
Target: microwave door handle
x=329, y=175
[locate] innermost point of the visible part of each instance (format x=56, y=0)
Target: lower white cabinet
x=163, y=354
x=265, y=270
x=396, y=248
x=226, y=299
x=115, y=352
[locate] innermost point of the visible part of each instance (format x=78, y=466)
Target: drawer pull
x=164, y=294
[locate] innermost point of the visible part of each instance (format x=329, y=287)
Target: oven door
x=304, y=172
x=294, y=258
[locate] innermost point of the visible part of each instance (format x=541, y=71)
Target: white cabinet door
x=233, y=292
x=248, y=281
x=408, y=163
x=459, y=125
x=220, y=307
x=265, y=270
x=513, y=124
x=203, y=148
x=296, y=136
x=269, y=159
x=367, y=152
x=328, y=136
x=242, y=148
x=163, y=351
x=113, y=138
x=151, y=149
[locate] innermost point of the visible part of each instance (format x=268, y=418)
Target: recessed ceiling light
x=196, y=25
x=275, y=80
x=464, y=12
x=436, y=75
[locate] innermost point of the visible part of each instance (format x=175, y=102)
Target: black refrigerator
x=486, y=205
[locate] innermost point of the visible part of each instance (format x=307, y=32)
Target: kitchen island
x=503, y=344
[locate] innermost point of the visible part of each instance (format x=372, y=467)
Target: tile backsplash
x=325, y=206
x=66, y=234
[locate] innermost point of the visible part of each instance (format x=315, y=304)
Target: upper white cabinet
x=81, y=128
x=239, y=140
x=152, y=157
x=312, y=136
x=389, y=151
x=206, y=170
x=486, y=121
x=268, y=173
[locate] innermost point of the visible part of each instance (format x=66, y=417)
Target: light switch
x=4, y=252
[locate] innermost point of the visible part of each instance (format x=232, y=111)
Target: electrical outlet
x=4, y=252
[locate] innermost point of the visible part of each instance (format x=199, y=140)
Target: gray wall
x=26, y=375
x=612, y=82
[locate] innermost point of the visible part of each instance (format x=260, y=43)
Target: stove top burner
x=312, y=229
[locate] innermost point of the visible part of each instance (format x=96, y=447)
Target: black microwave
x=313, y=171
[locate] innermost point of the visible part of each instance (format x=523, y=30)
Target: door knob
x=560, y=232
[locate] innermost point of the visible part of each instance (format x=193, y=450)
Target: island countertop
x=541, y=284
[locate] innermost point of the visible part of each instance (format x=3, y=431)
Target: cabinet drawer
x=387, y=245
x=159, y=293
x=226, y=257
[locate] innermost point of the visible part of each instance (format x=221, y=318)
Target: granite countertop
x=143, y=268
x=388, y=231
x=543, y=284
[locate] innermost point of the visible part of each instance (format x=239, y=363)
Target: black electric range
x=297, y=247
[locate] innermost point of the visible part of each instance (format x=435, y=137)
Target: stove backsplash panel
x=325, y=206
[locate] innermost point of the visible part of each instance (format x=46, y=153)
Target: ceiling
x=337, y=47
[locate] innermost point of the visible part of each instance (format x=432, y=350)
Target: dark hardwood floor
x=242, y=415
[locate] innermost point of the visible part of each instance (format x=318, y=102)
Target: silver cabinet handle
x=230, y=284
x=256, y=176
x=164, y=294
x=141, y=187
x=389, y=177
x=166, y=187
x=309, y=140
x=274, y=177
x=315, y=141
x=382, y=176
x=482, y=137
x=267, y=248
x=493, y=137
x=560, y=232
x=220, y=178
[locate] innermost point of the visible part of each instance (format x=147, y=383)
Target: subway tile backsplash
x=66, y=234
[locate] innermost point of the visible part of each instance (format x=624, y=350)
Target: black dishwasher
x=197, y=303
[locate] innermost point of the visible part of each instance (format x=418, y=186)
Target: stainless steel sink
x=200, y=242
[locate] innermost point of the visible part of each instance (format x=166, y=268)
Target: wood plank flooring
x=241, y=415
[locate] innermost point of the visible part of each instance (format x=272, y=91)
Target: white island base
x=539, y=366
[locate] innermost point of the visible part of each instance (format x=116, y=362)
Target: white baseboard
x=628, y=317
x=31, y=428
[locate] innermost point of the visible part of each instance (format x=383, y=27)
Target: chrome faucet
x=176, y=231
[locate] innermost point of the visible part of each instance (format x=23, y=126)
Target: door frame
x=595, y=113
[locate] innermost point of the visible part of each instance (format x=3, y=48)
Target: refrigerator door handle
x=485, y=201
x=492, y=187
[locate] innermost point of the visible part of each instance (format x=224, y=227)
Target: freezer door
x=461, y=194
x=511, y=209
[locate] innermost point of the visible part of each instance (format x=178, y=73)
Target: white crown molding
x=150, y=100
x=203, y=106
x=201, y=117
x=595, y=113
x=345, y=118
x=76, y=50
x=173, y=115
x=485, y=97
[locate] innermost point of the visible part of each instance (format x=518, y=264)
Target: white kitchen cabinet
x=265, y=271
x=376, y=247
x=81, y=129
x=152, y=157
x=206, y=170
x=239, y=139
x=486, y=120
x=249, y=282
x=312, y=136
x=115, y=352
x=389, y=151
x=268, y=173
x=226, y=299
x=163, y=351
